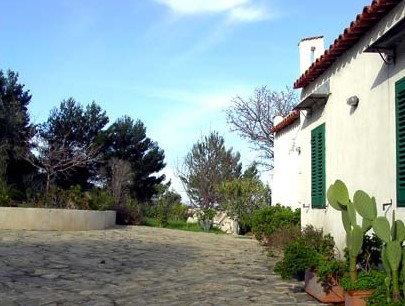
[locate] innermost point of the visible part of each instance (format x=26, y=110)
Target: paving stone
x=139, y=266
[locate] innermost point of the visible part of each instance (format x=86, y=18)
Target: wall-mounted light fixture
x=353, y=101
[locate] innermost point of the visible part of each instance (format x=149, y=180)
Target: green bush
x=178, y=212
x=281, y=237
x=266, y=220
x=100, y=199
x=241, y=197
x=311, y=250
x=6, y=193
x=323, y=244
x=299, y=256
x=365, y=281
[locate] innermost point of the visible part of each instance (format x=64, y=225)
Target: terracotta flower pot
x=357, y=297
x=325, y=293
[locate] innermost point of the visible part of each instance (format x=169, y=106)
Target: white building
x=350, y=122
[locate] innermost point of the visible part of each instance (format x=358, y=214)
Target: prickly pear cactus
x=338, y=195
x=365, y=206
x=392, y=252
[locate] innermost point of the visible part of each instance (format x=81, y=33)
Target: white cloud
x=236, y=10
x=248, y=14
x=192, y=7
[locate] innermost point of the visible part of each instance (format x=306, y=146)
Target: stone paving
x=139, y=266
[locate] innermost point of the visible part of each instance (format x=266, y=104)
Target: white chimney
x=310, y=49
x=277, y=120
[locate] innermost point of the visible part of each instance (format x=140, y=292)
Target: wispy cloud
x=248, y=14
x=235, y=10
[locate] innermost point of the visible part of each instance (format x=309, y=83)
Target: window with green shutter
x=400, y=135
x=318, y=194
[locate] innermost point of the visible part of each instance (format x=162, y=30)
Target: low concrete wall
x=44, y=219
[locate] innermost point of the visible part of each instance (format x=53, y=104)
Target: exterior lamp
x=353, y=101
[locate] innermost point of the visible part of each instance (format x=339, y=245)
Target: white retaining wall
x=44, y=219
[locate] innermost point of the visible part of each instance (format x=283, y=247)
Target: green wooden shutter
x=400, y=135
x=318, y=167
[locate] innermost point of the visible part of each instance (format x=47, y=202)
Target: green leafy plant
x=365, y=281
x=330, y=270
x=379, y=297
x=100, y=199
x=268, y=219
x=178, y=212
x=298, y=258
x=242, y=196
x=281, y=237
x=306, y=252
x=207, y=214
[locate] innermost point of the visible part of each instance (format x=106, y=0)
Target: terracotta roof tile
x=289, y=119
x=370, y=15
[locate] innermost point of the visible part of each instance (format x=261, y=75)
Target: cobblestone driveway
x=139, y=266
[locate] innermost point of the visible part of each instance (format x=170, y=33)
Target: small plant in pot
x=321, y=282
x=360, y=290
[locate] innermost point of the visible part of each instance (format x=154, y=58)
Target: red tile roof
x=364, y=21
x=289, y=119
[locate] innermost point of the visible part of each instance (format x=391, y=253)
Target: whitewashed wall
x=287, y=151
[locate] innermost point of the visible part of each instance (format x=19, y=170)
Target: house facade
x=350, y=122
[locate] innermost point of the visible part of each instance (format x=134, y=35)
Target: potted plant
x=311, y=257
x=357, y=292
x=322, y=281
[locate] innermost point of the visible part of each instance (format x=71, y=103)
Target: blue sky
x=174, y=64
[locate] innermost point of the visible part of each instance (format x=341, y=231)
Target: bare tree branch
x=253, y=119
x=60, y=158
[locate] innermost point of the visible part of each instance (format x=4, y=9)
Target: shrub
x=323, y=244
x=266, y=220
x=5, y=199
x=310, y=250
x=130, y=213
x=162, y=212
x=241, y=197
x=178, y=212
x=282, y=236
x=298, y=258
x=7, y=192
x=100, y=199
